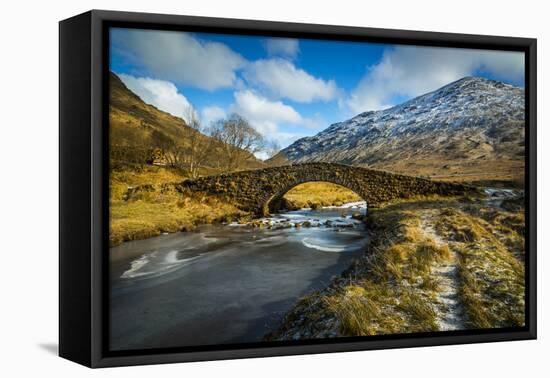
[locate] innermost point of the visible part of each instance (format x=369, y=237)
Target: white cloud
x=180, y=57
x=210, y=114
x=410, y=71
x=262, y=113
x=162, y=94
x=281, y=78
x=285, y=47
x=266, y=116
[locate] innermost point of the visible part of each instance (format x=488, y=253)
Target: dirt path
x=447, y=306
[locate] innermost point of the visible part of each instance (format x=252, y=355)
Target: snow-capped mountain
x=473, y=119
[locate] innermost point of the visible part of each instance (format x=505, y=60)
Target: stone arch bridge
x=260, y=190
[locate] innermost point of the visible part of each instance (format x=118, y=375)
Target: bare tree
x=199, y=147
x=188, y=153
x=238, y=139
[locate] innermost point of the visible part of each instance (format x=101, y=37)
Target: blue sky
x=289, y=88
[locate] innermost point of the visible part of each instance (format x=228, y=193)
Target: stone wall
x=255, y=190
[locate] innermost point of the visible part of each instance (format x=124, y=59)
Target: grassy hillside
x=130, y=117
x=135, y=130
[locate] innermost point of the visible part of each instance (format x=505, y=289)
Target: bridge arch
x=254, y=190
x=273, y=201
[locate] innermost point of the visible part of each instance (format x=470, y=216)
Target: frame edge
x=74, y=194
x=98, y=17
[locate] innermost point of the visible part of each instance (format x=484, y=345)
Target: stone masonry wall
x=254, y=190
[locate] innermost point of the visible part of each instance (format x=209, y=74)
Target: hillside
x=471, y=129
x=136, y=128
x=136, y=131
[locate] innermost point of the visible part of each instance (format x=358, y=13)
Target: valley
x=324, y=263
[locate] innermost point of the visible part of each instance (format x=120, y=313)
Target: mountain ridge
x=470, y=123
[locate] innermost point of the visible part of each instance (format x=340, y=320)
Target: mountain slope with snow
x=468, y=126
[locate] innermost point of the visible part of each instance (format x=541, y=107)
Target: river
x=226, y=283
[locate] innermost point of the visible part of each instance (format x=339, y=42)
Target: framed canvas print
x=234, y=188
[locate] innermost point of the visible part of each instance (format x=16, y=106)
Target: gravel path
x=448, y=306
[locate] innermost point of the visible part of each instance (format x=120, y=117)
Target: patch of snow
x=467, y=104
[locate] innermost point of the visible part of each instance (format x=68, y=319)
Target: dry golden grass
x=315, y=194
x=469, y=171
x=121, y=180
x=393, y=289
x=491, y=267
x=152, y=212
x=146, y=217
x=360, y=311
x=373, y=308
x=400, y=287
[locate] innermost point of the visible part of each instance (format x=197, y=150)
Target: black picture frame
x=83, y=181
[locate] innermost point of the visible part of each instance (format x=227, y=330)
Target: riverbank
x=155, y=207
x=237, y=282
x=431, y=265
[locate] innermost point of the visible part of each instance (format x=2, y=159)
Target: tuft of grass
x=425, y=255
x=373, y=308
x=358, y=314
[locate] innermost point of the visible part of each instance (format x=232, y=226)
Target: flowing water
x=226, y=283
